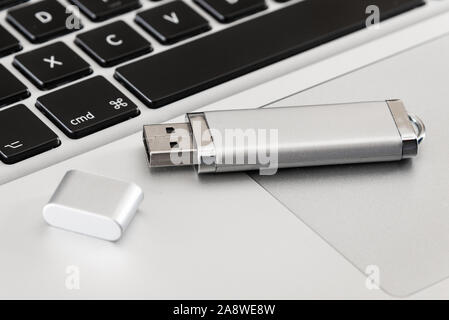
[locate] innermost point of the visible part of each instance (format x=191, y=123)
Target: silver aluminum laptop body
x=304, y=233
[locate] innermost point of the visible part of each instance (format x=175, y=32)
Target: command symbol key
x=87, y=107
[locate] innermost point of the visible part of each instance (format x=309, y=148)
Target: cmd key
x=23, y=135
x=87, y=107
x=213, y=59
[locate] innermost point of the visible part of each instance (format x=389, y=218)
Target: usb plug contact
x=165, y=144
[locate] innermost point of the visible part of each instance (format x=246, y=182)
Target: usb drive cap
x=93, y=205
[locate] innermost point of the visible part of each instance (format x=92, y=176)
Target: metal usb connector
x=163, y=140
x=272, y=138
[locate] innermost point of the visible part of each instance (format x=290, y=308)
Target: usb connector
x=268, y=139
x=163, y=141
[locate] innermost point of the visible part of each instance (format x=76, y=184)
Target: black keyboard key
x=8, y=43
x=10, y=3
x=11, y=89
x=52, y=65
x=87, y=107
x=231, y=10
x=99, y=10
x=211, y=60
x=23, y=135
x=43, y=20
x=113, y=43
x=172, y=22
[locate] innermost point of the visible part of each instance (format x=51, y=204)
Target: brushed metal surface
x=393, y=216
x=310, y=135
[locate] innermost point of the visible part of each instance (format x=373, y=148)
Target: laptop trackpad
x=391, y=217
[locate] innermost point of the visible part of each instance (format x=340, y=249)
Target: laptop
x=80, y=78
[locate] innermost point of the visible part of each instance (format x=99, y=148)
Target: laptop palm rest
x=391, y=220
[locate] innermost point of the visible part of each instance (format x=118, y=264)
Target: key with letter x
x=51, y=66
x=53, y=62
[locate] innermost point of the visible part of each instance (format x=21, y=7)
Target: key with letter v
x=172, y=22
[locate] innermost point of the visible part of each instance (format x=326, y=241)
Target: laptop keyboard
x=246, y=47
x=160, y=78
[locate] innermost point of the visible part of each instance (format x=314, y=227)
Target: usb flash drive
x=262, y=139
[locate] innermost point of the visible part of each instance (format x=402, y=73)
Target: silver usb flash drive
x=257, y=139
